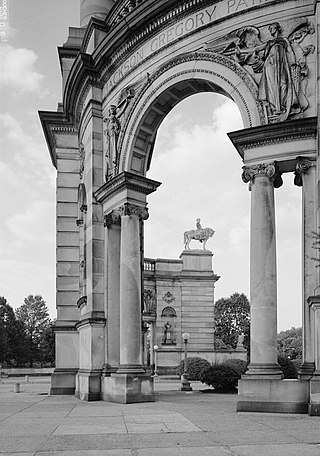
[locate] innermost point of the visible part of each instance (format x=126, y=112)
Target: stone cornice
x=91, y=322
x=55, y=123
x=126, y=180
x=292, y=130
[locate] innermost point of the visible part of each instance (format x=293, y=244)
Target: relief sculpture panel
x=278, y=63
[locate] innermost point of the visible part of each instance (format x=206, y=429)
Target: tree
x=290, y=343
x=47, y=344
x=12, y=336
x=232, y=318
x=35, y=316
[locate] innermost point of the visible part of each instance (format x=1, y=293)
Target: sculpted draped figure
x=112, y=132
x=279, y=66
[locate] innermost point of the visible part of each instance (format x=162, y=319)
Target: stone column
x=263, y=271
x=130, y=290
x=112, y=287
x=305, y=176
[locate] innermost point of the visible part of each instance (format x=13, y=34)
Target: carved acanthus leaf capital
x=114, y=217
x=270, y=170
x=302, y=166
x=131, y=209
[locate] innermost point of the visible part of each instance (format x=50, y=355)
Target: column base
x=88, y=385
x=63, y=381
x=264, y=371
x=273, y=396
x=128, y=388
x=314, y=404
x=306, y=371
x=185, y=383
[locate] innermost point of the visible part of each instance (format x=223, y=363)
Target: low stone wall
x=21, y=372
x=169, y=360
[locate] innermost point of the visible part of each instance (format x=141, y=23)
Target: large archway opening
x=201, y=175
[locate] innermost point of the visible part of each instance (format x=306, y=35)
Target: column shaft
x=130, y=296
x=113, y=296
x=263, y=272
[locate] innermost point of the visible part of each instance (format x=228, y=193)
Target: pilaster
x=305, y=177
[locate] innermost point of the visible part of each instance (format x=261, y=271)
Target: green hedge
x=195, y=366
x=222, y=377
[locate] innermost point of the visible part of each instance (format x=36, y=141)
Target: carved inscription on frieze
x=186, y=25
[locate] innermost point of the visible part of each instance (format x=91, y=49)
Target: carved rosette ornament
x=114, y=217
x=262, y=169
x=168, y=297
x=302, y=167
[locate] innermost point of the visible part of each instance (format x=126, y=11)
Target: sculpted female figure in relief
x=112, y=132
x=278, y=66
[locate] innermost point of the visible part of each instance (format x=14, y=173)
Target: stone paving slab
x=194, y=424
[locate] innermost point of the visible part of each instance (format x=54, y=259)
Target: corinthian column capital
x=302, y=166
x=270, y=170
x=114, y=217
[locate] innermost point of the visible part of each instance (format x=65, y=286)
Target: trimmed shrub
x=222, y=377
x=195, y=366
x=288, y=368
x=238, y=365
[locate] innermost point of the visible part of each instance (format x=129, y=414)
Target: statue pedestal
x=196, y=260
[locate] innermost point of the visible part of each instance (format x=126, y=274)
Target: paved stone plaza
x=33, y=423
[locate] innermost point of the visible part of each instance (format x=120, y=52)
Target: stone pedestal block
x=196, y=260
x=276, y=396
x=314, y=404
x=63, y=381
x=88, y=385
x=128, y=388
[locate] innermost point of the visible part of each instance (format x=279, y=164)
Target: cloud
x=201, y=174
x=26, y=153
x=34, y=224
x=18, y=70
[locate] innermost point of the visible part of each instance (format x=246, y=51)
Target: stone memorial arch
x=127, y=65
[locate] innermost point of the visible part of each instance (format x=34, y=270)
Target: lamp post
x=184, y=377
x=155, y=349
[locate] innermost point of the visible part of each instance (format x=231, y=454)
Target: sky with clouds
x=199, y=169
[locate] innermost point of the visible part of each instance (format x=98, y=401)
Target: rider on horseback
x=198, y=224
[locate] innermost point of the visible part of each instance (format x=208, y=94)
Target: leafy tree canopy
x=13, y=347
x=34, y=314
x=290, y=343
x=232, y=318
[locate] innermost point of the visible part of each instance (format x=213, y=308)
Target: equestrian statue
x=199, y=234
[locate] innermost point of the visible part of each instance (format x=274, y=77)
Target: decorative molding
x=262, y=169
x=194, y=56
x=125, y=181
x=82, y=301
x=274, y=133
x=302, y=166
